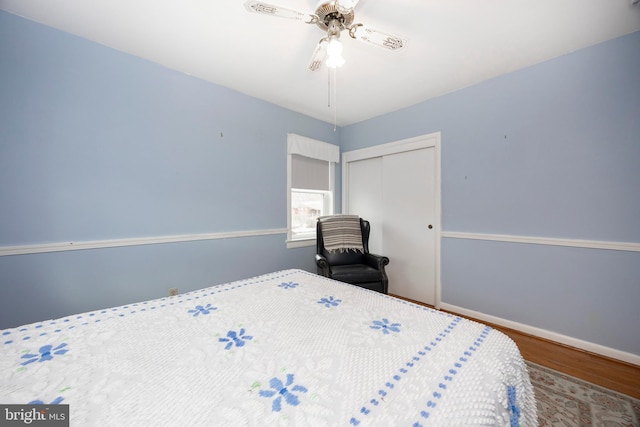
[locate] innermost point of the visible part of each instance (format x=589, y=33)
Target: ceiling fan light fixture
x=334, y=53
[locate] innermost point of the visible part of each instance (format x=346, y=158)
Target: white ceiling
x=451, y=44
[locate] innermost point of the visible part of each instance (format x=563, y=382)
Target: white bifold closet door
x=397, y=193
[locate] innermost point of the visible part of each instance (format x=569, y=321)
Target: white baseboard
x=543, y=333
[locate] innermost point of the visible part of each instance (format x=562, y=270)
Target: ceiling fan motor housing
x=328, y=13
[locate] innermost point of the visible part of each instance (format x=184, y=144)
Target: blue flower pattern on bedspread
x=514, y=410
x=330, y=302
x=281, y=391
x=40, y=402
x=288, y=285
x=46, y=352
x=385, y=326
x=452, y=373
x=199, y=309
x=421, y=355
x=238, y=336
x=235, y=338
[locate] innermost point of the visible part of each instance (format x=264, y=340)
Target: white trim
x=319, y=150
x=543, y=333
x=432, y=140
x=308, y=147
x=574, y=243
x=300, y=243
x=289, y=166
x=409, y=144
x=114, y=243
x=438, y=221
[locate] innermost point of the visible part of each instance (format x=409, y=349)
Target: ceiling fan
x=333, y=17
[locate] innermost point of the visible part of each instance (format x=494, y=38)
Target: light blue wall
x=549, y=151
x=50, y=285
x=96, y=144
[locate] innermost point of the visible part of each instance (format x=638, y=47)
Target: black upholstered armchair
x=359, y=268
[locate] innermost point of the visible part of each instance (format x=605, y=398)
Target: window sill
x=301, y=243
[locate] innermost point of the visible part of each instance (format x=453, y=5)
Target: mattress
x=285, y=348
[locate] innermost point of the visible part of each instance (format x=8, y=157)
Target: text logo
x=34, y=415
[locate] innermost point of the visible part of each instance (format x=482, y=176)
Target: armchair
x=355, y=266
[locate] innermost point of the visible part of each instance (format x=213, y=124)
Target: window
x=306, y=207
x=310, y=180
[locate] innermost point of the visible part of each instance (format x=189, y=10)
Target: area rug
x=565, y=401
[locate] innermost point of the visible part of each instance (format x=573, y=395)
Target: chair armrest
x=323, y=266
x=376, y=261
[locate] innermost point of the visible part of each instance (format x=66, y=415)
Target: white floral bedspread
x=286, y=348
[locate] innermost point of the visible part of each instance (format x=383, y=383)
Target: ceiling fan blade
x=282, y=12
x=320, y=52
x=377, y=37
x=346, y=6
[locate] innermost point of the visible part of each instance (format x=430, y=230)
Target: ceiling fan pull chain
x=335, y=113
x=335, y=103
x=328, y=87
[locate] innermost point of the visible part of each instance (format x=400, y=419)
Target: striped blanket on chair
x=341, y=233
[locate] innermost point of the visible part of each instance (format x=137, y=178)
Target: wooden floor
x=610, y=373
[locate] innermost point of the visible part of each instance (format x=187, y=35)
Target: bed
x=285, y=348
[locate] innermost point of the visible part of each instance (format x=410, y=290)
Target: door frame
x=431, y=140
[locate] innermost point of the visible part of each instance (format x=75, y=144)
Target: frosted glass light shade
x=334, y=54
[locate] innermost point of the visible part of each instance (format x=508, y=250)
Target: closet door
x=408, y=211
x=396, y=187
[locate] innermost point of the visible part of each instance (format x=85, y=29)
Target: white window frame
x=319, y=150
